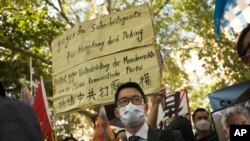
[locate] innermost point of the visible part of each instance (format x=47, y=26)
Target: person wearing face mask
x=202, y=125
x=131, y=107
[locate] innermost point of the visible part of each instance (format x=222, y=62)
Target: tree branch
x=13, y=48
x=109, y=6
x=61, y=12
x=160, y=8
x=75, y=14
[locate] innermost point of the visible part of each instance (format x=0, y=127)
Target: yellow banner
x=93, y=58
x=94, y=82
x=99, y=37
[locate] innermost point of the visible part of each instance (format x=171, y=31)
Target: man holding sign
x=131, y=107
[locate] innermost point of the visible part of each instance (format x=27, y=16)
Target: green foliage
x=178, y=25
x=70, y=123
x=198, y=98
x=26, y=31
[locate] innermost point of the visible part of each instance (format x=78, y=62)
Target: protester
x=18, y=122
x=243, y=45
x=201, y=120
x=179, y=123
x=131, y=107
x=235, y=115
x=182, y=124
x=153, y=113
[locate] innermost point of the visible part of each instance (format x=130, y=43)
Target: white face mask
x=203, y=124
x=132, y=115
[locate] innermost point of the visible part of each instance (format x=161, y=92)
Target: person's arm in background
x=153, y=113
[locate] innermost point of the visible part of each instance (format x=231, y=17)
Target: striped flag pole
x=33, y=83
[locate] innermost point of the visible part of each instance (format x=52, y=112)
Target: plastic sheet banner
x=231, y=15
x=224, y=97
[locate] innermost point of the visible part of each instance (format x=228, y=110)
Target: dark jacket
x=171, y=135
x=18, y=122
x=165, y=135
x=211, y=137
x=183, y=125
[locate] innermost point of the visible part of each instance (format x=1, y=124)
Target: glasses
x=124, y=101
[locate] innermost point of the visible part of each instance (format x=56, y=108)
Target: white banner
x=174, y=104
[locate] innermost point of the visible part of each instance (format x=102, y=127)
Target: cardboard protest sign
x=93, y=58
x=225, y=96
x=94, y=82
x=174, y=104
x=99, y=37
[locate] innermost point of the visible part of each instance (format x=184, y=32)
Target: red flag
x=103, y=132
x=40, y=107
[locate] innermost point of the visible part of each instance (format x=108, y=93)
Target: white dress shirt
x=142, y=133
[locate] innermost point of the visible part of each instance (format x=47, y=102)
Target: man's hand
x=156, y=100
x=158, y=97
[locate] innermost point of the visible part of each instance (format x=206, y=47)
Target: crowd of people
x=131, y=109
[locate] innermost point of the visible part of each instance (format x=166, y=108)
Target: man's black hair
x=198, y=110
x=240, y=47
x=182, y=124
x=129, y=85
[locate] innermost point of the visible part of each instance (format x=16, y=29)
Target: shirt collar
x=142, y=132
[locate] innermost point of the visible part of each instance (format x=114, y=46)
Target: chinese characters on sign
x=93, y=58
